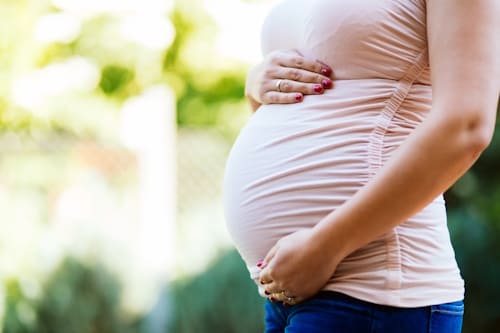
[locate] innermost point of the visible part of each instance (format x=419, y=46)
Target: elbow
x=482, y=138
x=477, y=142
x=476, y=132
x=480, y=129
x=473, y=131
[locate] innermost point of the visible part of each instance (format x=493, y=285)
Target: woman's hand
x=297, y=267
x=284, y=77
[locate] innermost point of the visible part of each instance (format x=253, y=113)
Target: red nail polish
x=298, y=97
x=260, y=263
x=318, y=88
x=285, y=304
x=272, y=299
x=267, y=292
x=327, y=83
x=326, y=71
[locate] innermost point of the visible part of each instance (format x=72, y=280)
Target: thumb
x=265, y=274
x=269, y=256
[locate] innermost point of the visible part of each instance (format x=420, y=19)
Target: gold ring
x=278, y=84
x=288, y=298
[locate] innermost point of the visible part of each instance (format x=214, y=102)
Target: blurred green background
x=104, y=105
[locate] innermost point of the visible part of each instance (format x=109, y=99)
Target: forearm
x=432, y=158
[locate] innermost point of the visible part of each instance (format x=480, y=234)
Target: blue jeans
x=333, y=312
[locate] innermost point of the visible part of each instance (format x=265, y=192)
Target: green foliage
x=473, y=205
x=19, y=314
x=479, y=188
x=478, y=254
x=184, y=27
x=114, y=78
x=202, y=90
x=223, y=299
x=54, y=52
x=203, y=82
x=202, y=106
x=77, y=298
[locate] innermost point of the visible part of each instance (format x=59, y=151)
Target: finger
x=276, y=292
x=283, y=296
x=293, y=301
x=301, y=75
x=288, y=86
x=270, y=254
x=279, y=296
x=265, y=276
x=274, y=97
x=293, y=59
x=272, y=289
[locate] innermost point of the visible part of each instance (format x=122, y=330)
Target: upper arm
x=464, y=55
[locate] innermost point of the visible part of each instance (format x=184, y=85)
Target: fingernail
x=272, y=299
x=327, y=83
x=267, y=292
x=298, y=97
x=285, y=304
x=260, y=263
x=318, y=88
x=326, y=71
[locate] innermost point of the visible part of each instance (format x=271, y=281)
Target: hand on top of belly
x=296, y=268
x=284, y=77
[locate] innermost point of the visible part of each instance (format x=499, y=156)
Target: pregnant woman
x=334, y=197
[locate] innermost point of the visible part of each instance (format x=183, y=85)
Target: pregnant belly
x=292, y=165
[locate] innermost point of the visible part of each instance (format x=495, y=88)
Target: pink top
x=293, y=164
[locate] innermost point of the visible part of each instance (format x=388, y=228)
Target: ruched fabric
x=292, y=165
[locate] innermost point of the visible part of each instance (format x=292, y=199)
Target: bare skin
x=296, y=75
x=466, y=87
